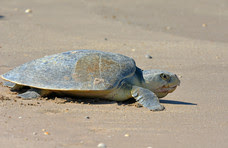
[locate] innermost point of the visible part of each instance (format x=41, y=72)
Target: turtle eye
x=164, y=77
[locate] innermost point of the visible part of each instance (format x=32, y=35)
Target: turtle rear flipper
x=147, y=98
x=13, y=86
x=8, y=84
x=33, y=93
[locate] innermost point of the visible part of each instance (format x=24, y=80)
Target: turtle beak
x=176, y=80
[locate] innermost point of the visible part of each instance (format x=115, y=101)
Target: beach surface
x=189, y=38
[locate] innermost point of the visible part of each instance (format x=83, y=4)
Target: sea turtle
x=92, y=73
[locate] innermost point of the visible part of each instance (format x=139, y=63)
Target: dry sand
x=189, y=38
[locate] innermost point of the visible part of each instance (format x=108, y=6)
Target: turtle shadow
x=93, y=101
x=176, y=102
x=99, y=101
x=78, y=100
x=133, y=101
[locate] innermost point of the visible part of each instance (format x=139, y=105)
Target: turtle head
x=160, y=82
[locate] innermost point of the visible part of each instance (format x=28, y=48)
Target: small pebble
x=148, y=56
x=132, y=49
x=167, y=27
x=105, y=39
x=19, y=117
x=43, y=130
x=204, y=25
x=28, y=11
x=126, y=135
x=46, y=133
x=180, y=76
x=34, y=133
x=87, y=117
x=101, y=145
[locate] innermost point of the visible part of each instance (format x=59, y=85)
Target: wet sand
x=187, y=38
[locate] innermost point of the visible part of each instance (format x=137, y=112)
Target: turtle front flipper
x=146, y=98
x=33, y=93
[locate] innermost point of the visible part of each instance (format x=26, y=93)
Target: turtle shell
x=74, y=70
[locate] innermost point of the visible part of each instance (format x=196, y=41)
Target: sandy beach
x=189, y=38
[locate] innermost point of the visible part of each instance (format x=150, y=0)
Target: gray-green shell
x=74, y=70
